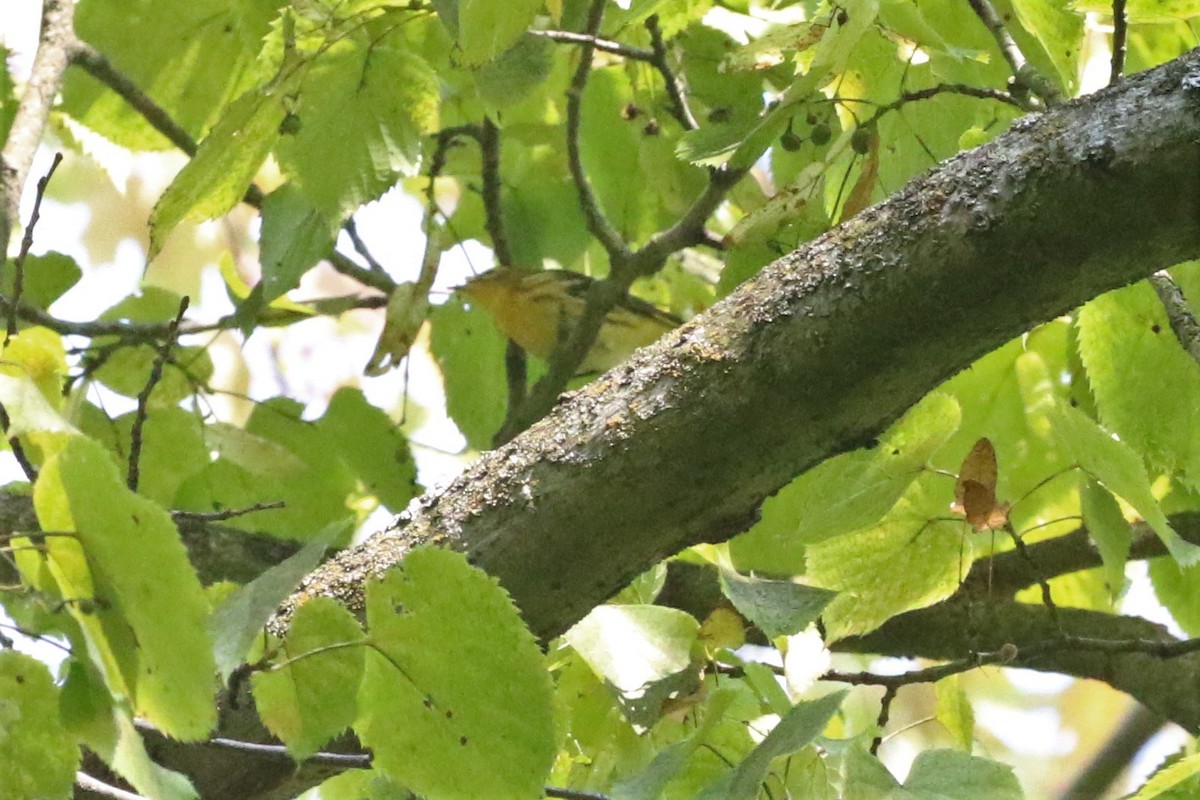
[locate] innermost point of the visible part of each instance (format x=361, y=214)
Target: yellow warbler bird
x=536, y=309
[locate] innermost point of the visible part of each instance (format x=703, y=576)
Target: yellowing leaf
x=38, y=758
x=456, y=700
x=155, y=609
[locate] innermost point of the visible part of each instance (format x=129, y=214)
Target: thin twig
x=607, y=45
x=1023, y=72
x=18, y=450
x=493, y=216
x=97, y=786
x=1120, y=33
x=885, y=713
x=143, y=398
x=572, y=794
x=516, y=377
x=26, y=245
x=675, y=88
x=597, y=224
x=96, y=64
x=516, y=372
x=220, y=516
x=1035, y=570
x=1179, y=314
x=982, y=93
x=33, y=111
x=360, y=246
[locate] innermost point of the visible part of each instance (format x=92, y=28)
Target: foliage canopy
x=671, y=148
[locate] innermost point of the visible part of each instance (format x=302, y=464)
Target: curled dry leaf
x=975, y=489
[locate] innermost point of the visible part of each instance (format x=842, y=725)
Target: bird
x=537, y=309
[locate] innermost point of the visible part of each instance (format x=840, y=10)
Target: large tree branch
x=819, y=353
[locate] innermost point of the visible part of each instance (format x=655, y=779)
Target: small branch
x=360, y=246
x=489, y=147
x=279, y=752
x=33, y=111
x=982, y=93
x=1179, y=313
x=26, y=245
x=221, y=516
x=1023, y=72
x=885, y=713
x=1023, y=550
x=572, y=794
x=607, y=45
x=926, y=675
x=689, y=229
x=1120, y=33
x=516, y=376
x=97, y=786
x=143, y=398
x=1166, y=648
x=675, y=88
x=597, y=224
x=96, y=64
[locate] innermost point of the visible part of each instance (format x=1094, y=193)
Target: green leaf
x=46, y=278
x=295, y=236
x=363, y=107
x=1178, y=588
x=1144, y=383
x=224, y=165
x=516, y=73
x=309, y=697
x=799, y=726
x=38, y=757
x=314, y=496
x=451, y=658
x=1169, y=777
x=471, y=355
x=129, y=758
x=650, y=783
x=847, y=492
x=127, y=371
x=914, y=558
x=953, y=710
x=240, y=618
x=1060, y=33
x=743, y=142
x=950, y=774
x=142, y=575
x=149, y=304
x=1116, y=466
x=372, y=446
x=487, y=28
x=192, y=58
x=253, y=453
x=173, y=450
x=1110, y=531
x=778, y=608
x=634, y=646
x=28, y=410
